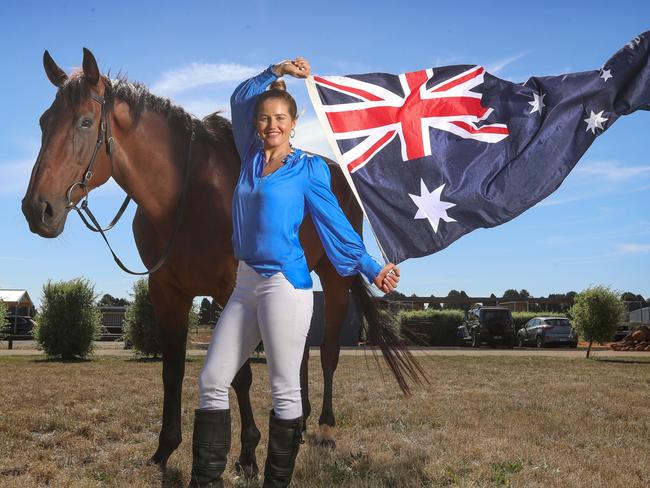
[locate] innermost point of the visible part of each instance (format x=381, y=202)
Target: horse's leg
x=335, y=293
x=246, y=465
x=171, y=309
x=304, y=387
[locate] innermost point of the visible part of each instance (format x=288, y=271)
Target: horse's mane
x=213, y=127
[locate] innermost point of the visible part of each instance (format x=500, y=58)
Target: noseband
x=105, y=136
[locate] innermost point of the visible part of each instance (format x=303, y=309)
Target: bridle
x=105, y=136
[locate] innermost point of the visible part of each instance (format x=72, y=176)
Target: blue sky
x=595, y=229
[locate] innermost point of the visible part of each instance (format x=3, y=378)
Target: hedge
x=431, y=327
x=439, y=327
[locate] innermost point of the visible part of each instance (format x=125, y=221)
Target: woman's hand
x=387, y=278
x=298, y=68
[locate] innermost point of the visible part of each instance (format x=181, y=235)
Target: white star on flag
x=595, y=121
x=430, y=206
x=606, y=74
x=537, y=103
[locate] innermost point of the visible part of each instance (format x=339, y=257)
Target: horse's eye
x=85, y=123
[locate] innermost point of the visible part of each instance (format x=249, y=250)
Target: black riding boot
x=210, y=446
x=285, y=437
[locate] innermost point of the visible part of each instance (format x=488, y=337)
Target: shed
x=18, y=302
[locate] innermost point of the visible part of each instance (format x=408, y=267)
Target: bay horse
x=169, y=162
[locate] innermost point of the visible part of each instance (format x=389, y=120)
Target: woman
x=272, y=301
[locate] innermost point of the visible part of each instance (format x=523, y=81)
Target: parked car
x=544, y=331
x=19, y=325
x=491, y=325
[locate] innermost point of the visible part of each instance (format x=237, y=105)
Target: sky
x=595, y=229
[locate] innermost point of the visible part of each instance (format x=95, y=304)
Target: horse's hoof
x=325, y=437
x=161, y=456
x=158, y=460
x=326, y=443
x=247, y=470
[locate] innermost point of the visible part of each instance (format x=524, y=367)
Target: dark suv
x=19, y=326
x=491, y=325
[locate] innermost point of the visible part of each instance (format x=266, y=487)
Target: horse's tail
x=381, y=331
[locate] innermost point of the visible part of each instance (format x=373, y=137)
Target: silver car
x=544, y=331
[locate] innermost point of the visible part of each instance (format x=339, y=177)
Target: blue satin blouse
x=268, y=210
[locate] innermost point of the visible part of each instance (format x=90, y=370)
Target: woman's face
x=274, y=123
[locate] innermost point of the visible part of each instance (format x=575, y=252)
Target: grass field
x=483, y=421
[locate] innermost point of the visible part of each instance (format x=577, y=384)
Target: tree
x=434, y=305
x=393, y=295
x=108, y=300
x=596, y=313
x=633, y=302
x=511, y=294
x=69, y=321
x=204, y=311
x=458, y=295
x=140, y=327
x=215, y=312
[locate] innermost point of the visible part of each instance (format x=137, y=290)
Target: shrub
x=432, y=327
x=69, y=321
x=596, y=313
x=140, y=329
x=3, y=319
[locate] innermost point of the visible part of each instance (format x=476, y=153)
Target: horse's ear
x=90, y=67
x=55, y=74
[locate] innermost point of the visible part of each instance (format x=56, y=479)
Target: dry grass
x=489, y=421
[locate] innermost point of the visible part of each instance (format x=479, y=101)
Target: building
x=18, y=302
x=113, y=321
x=641, y=315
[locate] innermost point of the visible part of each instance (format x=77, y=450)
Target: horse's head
x=70, y=128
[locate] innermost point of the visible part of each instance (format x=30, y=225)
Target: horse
x=181, y=172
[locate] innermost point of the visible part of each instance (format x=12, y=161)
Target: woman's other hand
x=387, y=278
x=298, y=68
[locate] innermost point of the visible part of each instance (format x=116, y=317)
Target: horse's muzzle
x=44, y=218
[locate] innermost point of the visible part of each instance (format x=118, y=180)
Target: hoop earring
x=293, y=133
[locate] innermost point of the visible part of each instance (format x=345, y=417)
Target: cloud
x=612, y=171
x=201, y=74
x=310, y=137
x=500, y=64
x=200, y=106
x=595, y=179
x=634, y=248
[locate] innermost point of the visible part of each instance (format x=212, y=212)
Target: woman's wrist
x=277, y=68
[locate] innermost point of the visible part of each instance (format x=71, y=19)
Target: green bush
x=140, y=329
x=596, y=313
x=432, y=327
x=69, y=320
x=3, y=319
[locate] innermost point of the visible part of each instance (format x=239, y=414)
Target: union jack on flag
x=434, y=154
x=380, y=115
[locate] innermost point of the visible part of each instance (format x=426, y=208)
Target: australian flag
x=434, y=154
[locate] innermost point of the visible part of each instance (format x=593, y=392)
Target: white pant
x=267, y=309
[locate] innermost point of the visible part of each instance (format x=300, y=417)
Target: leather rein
x=105, y=136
